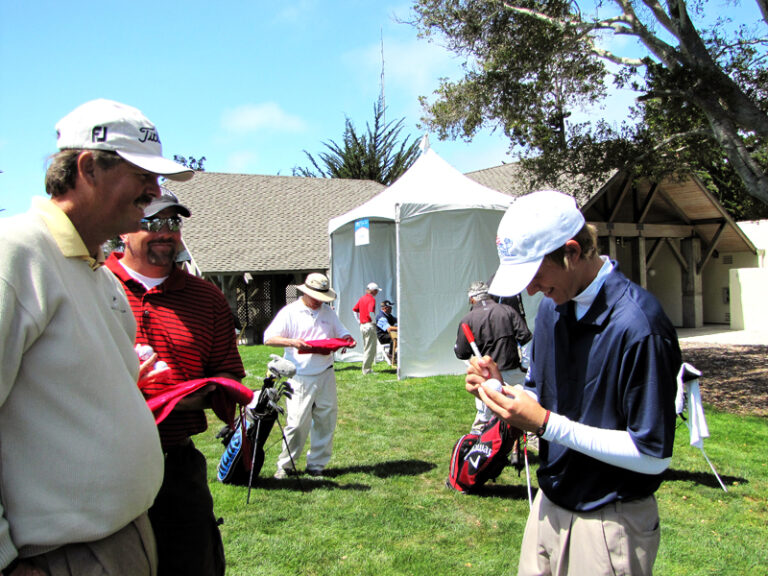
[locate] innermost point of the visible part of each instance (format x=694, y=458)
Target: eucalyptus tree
x=531, y=63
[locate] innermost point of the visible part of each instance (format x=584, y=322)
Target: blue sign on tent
x=362, y=232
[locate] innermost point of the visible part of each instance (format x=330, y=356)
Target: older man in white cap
x=305, y=328
x=365, y=312
x=81, y=461
x=599, y=394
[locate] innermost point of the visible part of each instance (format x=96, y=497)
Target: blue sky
x=247, y=84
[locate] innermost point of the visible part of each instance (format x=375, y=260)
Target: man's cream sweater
x=80, y=455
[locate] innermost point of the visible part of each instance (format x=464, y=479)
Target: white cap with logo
x=533, y=226
x=108, y=125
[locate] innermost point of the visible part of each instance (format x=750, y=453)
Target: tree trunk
x=739, y=107
x=763, y=9
x=727, y=107
x=727, y=135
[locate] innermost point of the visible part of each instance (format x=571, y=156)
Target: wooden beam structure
x=712, y=247
x=679, y=215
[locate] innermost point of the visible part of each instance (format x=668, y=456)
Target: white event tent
x=431, y=234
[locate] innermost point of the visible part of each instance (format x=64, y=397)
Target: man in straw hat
x=599, y=394
x=304, y=329
x=81, y=459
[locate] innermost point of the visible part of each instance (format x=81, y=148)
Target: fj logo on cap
x=99, y=134
x=149, y=134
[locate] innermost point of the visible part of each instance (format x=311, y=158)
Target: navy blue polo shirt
x=615, y=369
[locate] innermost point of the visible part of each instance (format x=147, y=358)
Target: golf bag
x=477, y=458
x=246, y=437
x=244, y=443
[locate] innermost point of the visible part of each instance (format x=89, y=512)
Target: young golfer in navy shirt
x=599, y=393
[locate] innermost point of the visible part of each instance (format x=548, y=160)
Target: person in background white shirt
x=313, y=406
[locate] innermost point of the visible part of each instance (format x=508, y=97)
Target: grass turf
x=382, y=508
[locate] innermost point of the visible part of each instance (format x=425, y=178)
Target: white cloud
x=267, y=116
x=417, y=65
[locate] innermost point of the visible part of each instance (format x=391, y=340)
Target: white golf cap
x=533, y=226
x=373, y=286
x=108, y=125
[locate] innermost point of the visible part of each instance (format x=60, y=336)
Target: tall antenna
x=381, y=96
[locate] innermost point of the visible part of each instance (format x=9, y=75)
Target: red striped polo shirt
x=188, y=322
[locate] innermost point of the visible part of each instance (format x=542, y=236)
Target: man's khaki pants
x=369, y=346
x=131, y=551
x=619, y=538
x=311, y=411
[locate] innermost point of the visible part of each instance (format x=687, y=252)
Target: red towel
x=226, y=396
x=327, y=346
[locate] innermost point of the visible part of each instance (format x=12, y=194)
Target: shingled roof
x=271, y=224
x=682, y=201
x=506, y=178
x=514, y=180
x=278, y=224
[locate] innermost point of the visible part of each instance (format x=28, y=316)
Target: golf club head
x=285, y=389
x=276, y=408
x=269, y=381
x=260, y=402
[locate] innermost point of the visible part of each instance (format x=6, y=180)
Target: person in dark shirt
x=386, y=329
x=498, y=330
x=386, y=322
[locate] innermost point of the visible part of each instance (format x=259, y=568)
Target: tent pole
x=397, y=284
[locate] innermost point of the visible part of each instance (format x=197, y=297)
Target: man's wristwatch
x=543, y=428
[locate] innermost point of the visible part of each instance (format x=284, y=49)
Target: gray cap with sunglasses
x=167, y=199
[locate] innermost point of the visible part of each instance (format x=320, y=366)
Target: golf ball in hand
x=144, y=351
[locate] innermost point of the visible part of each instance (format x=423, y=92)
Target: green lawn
x=383, y=507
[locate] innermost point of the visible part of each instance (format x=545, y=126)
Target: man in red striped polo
x=188, y=323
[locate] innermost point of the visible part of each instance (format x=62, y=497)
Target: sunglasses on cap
x=157, y=224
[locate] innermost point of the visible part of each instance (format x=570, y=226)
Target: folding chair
x=384, y=352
